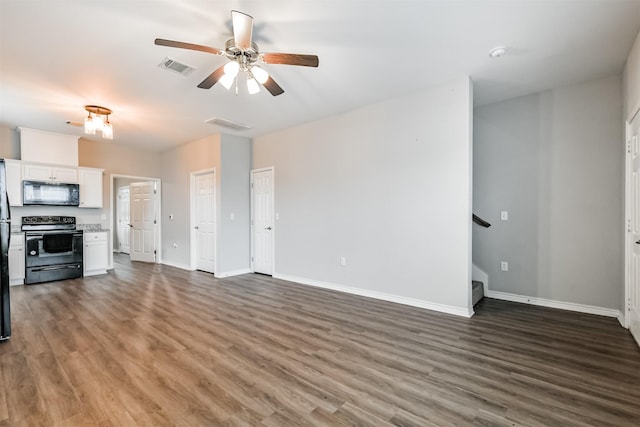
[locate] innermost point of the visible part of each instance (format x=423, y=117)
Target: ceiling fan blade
x=242, y=29
x=191, y=46
x=212, y=78
x=291, y=59
x=273, y=87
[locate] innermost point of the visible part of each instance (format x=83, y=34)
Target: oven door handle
x=58, y=267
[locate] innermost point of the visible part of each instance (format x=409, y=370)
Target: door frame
x=628, y=243
x=158, y=242
x=193, y=216
x=273, y=215
x=116, y=219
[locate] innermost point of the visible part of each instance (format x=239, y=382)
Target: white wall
x=234, y=238
x=9, y=143
x=177, y=165
x=555, y=162
x=387, y=186
x=632, y=79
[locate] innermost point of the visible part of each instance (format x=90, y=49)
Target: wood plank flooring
x=153, y=345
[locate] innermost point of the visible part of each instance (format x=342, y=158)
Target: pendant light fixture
x=98, y=121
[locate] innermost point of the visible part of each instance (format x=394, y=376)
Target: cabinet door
x=16, y=260
x=14, y=182
x=95, y=253
x=67, y=175
x=36, y=172
x=90, y=188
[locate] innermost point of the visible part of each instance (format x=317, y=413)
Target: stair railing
x=481, y=221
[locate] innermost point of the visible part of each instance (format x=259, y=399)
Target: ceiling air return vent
x=227, y=123
x=175, y=66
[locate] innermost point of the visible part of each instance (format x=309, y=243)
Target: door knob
x=267, y=228
x=637, y=242
x=196, y=227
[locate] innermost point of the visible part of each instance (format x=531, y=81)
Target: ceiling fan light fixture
x=252, y=85
x=259, y=74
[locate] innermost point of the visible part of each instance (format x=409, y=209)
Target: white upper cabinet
x=49, y=173
x=90, y=187
x=39, y=146
x=14, y=181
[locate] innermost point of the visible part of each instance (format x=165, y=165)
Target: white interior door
x=205, y=224
x=143, y=221
x=262, y=221
x=633, y=228
x=123, y=219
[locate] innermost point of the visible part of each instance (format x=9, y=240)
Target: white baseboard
x=223, y=274
x=443, y=308
x=581, y=308
x=622, y=320
x=176, y=265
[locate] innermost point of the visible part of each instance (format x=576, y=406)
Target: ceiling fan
x=244, y=55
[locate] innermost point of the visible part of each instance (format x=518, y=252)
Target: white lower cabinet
x=16, y=259
x=96, y=253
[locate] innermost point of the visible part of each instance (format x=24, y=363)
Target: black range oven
x=53, y=248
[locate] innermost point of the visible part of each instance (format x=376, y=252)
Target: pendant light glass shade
x=252, y=85
x=260, y=75
x=107, y=130
x=89, y=125
x=98, y=122
x=227, y=81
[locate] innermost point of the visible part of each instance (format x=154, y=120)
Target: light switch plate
x=504, y=215
x=504, y=266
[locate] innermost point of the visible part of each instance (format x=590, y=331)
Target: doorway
x=631, y=306
x=142, y=241
x=123, y=220
x=262, y=224
x=203, y=220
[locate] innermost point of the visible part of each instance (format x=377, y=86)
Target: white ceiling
x=57, y=56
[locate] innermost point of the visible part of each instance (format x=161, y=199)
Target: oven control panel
x=48, y=220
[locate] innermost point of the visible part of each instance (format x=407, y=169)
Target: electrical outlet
x=343, y=261
x=504, y=266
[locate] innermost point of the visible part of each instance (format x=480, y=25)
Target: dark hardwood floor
x=154, y=345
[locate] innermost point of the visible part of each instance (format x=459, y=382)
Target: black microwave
x=50, y=193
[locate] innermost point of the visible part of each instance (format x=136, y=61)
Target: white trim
x=622, y=320
x=563, y=305
x=192, y=217
x=158, y=187
x=627, y=218
x=223, y=274
x=480, y=275
x=273, y=215
x=398, y=299
x=176, y=265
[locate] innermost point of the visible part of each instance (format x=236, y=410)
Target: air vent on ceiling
x=227, y=123
x=175, y=66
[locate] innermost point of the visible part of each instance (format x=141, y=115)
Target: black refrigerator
x=5, y=235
